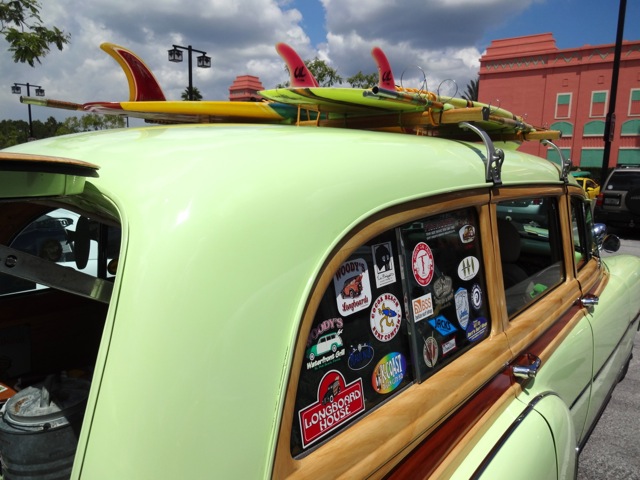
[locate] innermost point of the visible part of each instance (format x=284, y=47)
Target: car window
x=623, y=180
x=401, y=307
x=65, y=238
x=530, y=249
x=584, y=244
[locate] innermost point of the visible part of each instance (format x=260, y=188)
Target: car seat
x=509, y=239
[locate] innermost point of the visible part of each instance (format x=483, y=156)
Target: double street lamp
x=203, y=61
x=15, y=89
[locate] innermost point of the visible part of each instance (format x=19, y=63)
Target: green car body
x=226, y=231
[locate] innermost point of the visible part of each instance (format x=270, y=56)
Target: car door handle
x=527, y=371
x=589, y=300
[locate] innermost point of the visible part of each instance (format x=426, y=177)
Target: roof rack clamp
x=495, y=156
x=565, y=163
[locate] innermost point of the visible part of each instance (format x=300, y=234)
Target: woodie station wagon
x=208, y=261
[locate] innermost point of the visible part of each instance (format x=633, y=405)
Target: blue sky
x=445, y=38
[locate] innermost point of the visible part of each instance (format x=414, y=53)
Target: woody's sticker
x=336, y=403
x=384, y=270
x=385, y=318
x=352, y=287
x=422, y=264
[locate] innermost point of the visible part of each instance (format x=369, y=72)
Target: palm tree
x=472, y=90
x=195, y=94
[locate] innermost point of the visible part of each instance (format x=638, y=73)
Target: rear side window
x=400, y=308
x=623, y=180
x=530, y=249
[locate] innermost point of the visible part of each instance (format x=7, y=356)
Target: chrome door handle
x=527, y=371
x=589, y=300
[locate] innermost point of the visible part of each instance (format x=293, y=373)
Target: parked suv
x=618, y=203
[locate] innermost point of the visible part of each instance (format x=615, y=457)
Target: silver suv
x=618, y=203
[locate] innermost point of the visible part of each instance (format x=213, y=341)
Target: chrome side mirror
x=611, y=243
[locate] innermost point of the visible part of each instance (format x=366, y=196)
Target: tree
x=323, y=73
x=90, y=122
x=361, y=80
x=472, y=90
x=195, y=94
x=21, y=25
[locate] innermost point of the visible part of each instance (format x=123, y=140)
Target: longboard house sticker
x=336, y=403
x=352, y=287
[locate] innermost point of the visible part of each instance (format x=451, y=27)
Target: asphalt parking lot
x=613, y=451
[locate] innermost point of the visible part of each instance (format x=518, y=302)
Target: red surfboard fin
x=385, y=75
x=300, y=76
x=143, y=86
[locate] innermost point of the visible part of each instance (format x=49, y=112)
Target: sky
x=438, y=40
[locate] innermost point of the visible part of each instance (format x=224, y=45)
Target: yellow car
x=590, y=186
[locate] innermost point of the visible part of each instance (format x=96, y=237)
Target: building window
x=630, y=128
x=552, y=155
x=565, y=127
x=634, y=102
x=628, y=156
x=591, y=157
x=593, y=128
x=598, y=104
x=563, y=105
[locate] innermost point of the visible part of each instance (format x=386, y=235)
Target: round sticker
x=430, y=352
x=476, y=296
x=389, y=372
x=385, y=318
x=422, y=262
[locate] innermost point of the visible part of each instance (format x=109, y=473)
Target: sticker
x=468, y=268
x=443, y=290
x=430, y=352
x=386, y=316
x=389, y=372
x=327, y=350
x=438, y=228
x=449, y=346
x=422, y=261
x=336, y=403
x=467, y=234
x=443, y=326
x=422, y=307
x=385, y=272
x=360, y=356
x=462, y=307
x=477, y=329
x=476, y=296
x=324, y=327
x=351, y=283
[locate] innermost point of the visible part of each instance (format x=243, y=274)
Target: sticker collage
x=399, y=309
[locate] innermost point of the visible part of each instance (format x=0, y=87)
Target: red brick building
x=245, y=88
x=567, y=90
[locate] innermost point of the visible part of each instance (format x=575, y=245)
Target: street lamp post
x=175, y=55
x=15, y=89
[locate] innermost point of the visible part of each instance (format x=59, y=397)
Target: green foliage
x=195, y=94
x=361, y=80
x=13, y=132
x=29, y=40
x=472, y=90
x=323, y=73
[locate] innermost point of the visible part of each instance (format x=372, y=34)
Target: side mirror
x=599, y=233
x=611, y=243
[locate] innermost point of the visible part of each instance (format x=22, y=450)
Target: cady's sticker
x=443, y=326
x=468, y=268
x=477, y=329
x=385, y=272
x=422, y=307
x=467, y=234
x=353, y=290
x=336, y=403
x=389, y=372
x=360, y=356
x=462, y=307
x=430, y=352
x=386, y=316
x=422, y=264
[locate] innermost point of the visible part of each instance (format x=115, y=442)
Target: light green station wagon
x=160, y=288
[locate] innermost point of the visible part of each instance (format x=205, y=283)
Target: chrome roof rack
x=495, y=156
x=565, y=163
